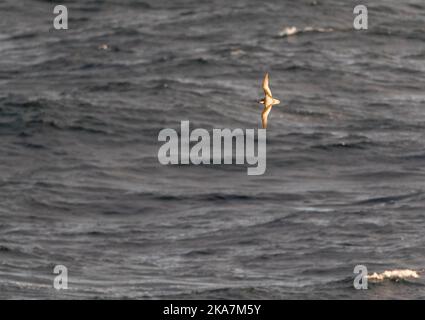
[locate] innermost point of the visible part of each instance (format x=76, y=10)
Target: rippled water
x=81, y=185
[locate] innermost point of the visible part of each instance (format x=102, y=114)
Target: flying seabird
x=268, y=101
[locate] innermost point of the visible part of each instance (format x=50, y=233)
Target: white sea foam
x=397, y=274
x=290, y=31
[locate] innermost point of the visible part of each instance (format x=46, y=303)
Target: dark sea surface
x=80, y=181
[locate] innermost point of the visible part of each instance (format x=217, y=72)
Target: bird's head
x=261, y=101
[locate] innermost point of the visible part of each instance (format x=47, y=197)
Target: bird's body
x=268, y=101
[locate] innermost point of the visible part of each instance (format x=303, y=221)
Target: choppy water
x=80, y=183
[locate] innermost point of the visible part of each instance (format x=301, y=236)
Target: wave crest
x=290, y=31
x=397, y=274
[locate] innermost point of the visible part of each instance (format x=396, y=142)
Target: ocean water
x=81, y=185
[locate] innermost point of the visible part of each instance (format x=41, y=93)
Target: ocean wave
x=397, y=274
x=347, y=145
x=291, y=31
x=389, y=199
x=219, y=196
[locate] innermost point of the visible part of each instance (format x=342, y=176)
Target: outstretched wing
x=265, y=115
x=266, y=87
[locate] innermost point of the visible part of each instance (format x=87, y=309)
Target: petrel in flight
x=268, y=101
